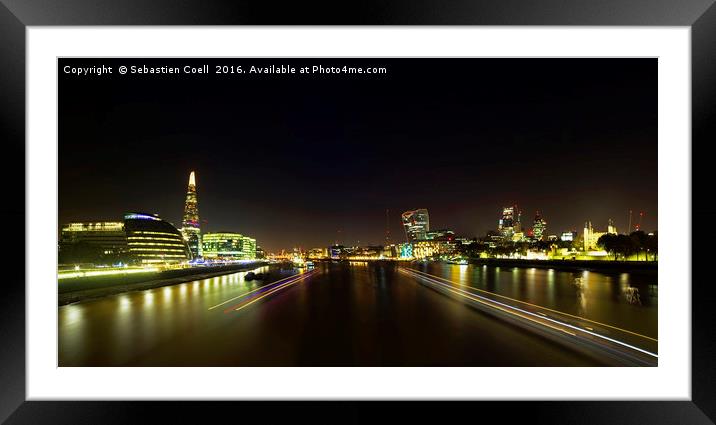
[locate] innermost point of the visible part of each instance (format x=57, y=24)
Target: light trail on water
x=524, y=314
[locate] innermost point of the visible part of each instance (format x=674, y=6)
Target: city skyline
x=415, y=223
x=574, y=139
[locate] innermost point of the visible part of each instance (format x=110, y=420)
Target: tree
x=610, y=243
x=626, y=245
x=639, y=242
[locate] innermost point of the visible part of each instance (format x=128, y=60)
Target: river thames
x=373, y=314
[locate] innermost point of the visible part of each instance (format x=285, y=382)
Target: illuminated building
x=97, y=243
x=611, y=229
x=509, y=223
x=140, y=238
x=440, y=235
x=228, y=246
x=260, y=253
x=248, y=247
x=406, y=250
x=591, y=236
x=568, y=236
x=337, y=252
x=431, y=248
x=224, y=245
x=153, y=240
x=539, y=227
x=190, y=223
x=317, y=253
x=367, y=252
x=416, y=224
x=390, y=251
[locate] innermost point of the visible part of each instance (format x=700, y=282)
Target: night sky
x=308, y=160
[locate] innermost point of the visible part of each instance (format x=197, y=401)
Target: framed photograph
x=441, y=203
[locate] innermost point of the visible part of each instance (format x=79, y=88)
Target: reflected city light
x=124, y=303
x=167, y=293
x=73, y=313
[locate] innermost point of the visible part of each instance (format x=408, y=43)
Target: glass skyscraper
x=416, y=224
x=539, y=227
x=190, y=224
x=509, y=224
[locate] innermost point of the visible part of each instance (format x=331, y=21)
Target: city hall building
x=139, y=239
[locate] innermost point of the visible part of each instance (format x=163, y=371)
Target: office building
x=539, y=227
x=568, y=236
x=509, y=223
x=440, y=235
x=96, y=243
x=416, y=224
x=248, y=248
x=228, y=246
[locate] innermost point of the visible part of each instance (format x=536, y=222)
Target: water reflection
x=603, y=297
x=131, y=323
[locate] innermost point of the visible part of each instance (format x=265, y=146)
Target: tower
x=611, y=229
x=588, y=235
x=416, y=224
x=387, y=227
x=539, y=226
x=509, y=224
x=190, y=223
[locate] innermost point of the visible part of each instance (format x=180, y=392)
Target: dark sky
x=305, y=160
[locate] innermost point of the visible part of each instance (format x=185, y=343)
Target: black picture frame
x=16, y=15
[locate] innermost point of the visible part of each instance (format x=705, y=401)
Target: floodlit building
x=539, y=227
x=416, y=224
x=99, y=243
x=139, y=239
x=611, y=228
x=228, y=246
x=591, y=236
x=509, y=223
x=337, y=252
x=223, y=245
x=406, y=250
x=248, y=248
x=390, y=251
x=317, y=253
x=153, y=240
x=190, y=229
x=440, y=235
x=432, y=248
x=568, y=236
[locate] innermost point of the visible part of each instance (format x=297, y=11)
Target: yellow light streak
x=541, y=307
x=285, y=285
x=89, y=273
x=251, y=291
